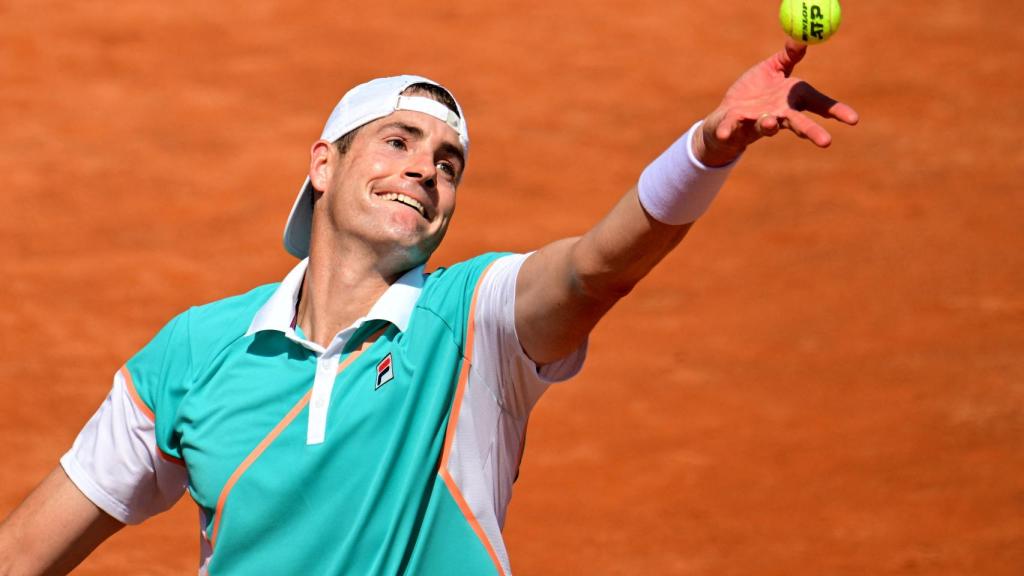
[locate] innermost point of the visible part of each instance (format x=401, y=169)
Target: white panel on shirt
x=116, y=464
x=504, y=384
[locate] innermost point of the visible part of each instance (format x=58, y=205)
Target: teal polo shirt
x=312, y=460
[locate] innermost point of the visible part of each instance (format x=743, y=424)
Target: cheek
x=382, y=165
x=368, y=165
x=446, y=203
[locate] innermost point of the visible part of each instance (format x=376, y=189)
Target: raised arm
x=566, y=287
x=53, y=529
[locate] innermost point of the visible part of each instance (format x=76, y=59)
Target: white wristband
x=677, y=188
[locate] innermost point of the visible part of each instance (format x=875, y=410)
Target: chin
x=406, y=251
x=410, y=243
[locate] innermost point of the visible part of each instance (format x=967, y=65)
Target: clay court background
x=827, y=377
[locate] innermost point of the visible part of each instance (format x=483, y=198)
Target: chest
x=261, y=427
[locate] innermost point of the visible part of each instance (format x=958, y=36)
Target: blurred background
x=826, y=378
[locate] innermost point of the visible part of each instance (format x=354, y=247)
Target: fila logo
x=384, y=372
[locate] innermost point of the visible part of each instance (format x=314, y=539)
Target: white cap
x=363, y=104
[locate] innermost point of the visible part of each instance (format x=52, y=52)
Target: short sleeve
x=115, y=461
x=496, y=347
x=124, y=459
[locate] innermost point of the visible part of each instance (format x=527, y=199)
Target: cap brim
x=300, y=222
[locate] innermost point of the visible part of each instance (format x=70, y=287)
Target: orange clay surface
x=826, y=378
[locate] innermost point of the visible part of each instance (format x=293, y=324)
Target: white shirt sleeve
x=496, y=347
x=116, y=463
x=503, y=386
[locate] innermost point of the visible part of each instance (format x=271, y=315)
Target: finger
x=787, y=58
x=803, y=96
x=804, y=127
x=741, y=127
x=767, y=125
x=724, y=130
x=728, y=126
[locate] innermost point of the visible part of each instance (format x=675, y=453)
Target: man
x=361, y=417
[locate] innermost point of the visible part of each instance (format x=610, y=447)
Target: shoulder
x=231, y=314
x=448, y=293
x=199, y=333
x=162, y=371
x=452, y=288
x=461, y=275
x=215, y=325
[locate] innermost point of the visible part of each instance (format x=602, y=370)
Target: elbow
x=603, y=288
x=599, y=281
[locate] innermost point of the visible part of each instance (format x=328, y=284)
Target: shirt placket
x=327, y=363
x=320, y=400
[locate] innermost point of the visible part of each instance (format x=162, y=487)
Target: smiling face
x=392, y=192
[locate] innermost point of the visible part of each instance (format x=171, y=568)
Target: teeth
x=405, y=200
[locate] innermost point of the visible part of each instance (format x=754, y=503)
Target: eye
x=447, y=167
x=396, y=143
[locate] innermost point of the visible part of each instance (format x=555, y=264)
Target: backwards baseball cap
x=363, y=104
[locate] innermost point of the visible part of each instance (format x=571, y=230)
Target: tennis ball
x=810, y=21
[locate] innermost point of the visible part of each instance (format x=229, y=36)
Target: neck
x=335, y=294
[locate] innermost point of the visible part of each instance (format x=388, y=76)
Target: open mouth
x=406, y=200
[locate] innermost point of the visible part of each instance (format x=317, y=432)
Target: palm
x=767, y=98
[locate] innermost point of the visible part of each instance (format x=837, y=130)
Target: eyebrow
x=417, y=132
x=408, y=128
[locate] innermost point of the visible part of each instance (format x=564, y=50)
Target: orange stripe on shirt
x=367, y=342
x=130, y=385
x=256, y=452
x=261, y=447
x=137, y=400
x=170, y=457
x=453, y=418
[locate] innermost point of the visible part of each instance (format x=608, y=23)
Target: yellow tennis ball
x=810, y=21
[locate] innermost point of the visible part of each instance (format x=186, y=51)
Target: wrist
x=709, y=150
x=677, y=187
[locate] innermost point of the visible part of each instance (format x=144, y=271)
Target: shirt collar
x=395, y=305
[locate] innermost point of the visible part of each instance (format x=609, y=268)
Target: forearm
x=673, y=191
x=566, y=287
x=611, y=258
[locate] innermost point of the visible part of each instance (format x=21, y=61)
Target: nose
x=421, y=167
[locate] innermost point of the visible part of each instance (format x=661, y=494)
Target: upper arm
x=53, y=529
x=553, y=314
x=515, y=379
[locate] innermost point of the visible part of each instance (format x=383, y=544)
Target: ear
x=319, y=164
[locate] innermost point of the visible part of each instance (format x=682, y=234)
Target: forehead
x=419, y=125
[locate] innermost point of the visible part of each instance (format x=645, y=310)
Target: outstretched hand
x=764, y=100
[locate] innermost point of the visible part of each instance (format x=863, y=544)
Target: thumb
x=787, y=58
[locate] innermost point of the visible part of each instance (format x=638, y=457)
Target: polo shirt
x=391, y=451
